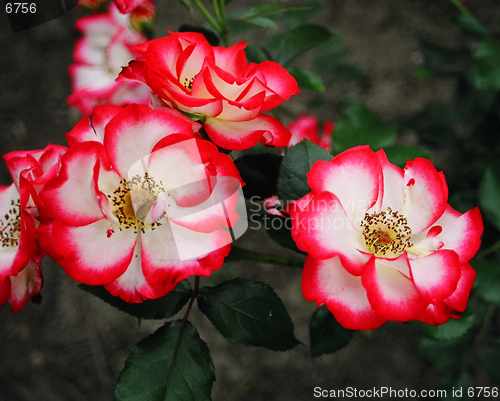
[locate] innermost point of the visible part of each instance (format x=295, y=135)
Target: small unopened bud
x=143, y=19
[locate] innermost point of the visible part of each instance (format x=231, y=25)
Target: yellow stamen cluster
x=188, y=83
x=141, y=192
x=10, y=225
x=386, y=233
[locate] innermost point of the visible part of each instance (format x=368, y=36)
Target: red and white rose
x=382, y=242
x=99, y=56
x=20, y=254
x=141, y=202
x=218, y=84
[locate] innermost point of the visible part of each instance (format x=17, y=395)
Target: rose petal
x=391, y=293
x=326, y=281
x=245, y=134
x=90, y=255
x=436, y=275
x=461, y=232
x=425, y=195
x=132, y=286
x=323, y=229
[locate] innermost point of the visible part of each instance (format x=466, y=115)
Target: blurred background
x=73, y=345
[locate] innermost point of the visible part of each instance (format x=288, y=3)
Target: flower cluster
x=98, y=59
x=139, y=201
x=382, y=242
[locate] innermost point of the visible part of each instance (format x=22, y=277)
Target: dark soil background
x=73, y=346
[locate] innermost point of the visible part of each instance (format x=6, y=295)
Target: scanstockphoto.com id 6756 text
x=389, y=392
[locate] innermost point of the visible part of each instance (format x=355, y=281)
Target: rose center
x=386, y=233
x=10, y=225
x=131, y=202
x=188, y=83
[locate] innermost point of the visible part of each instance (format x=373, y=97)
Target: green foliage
x=444, y=354
x=260, y=174
x=332, y=67
x=487, y=58
x=262, y=15
x=172, y=364
x=358, y=125
x=160, y=308
x=307, y=79
x=298, y=160
x=300, y=40
x=453, y=328
x=487, y=282
x=489, y=194
x=300, y=15
x=326, y=334
x=266, y=9
x=248, y=313
x=472, y=27
x=255, y=54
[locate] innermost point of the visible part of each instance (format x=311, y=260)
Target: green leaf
x=444, y=354
x=160, y=308
x=261, y=9
x=260, y=174
x=301, y=15
x=489, y=194
x=326, y=334
x=453, y=328
x=307, y=79
x=472, y=27
x=248, y=313
x=300, y=40
x=255, y=54
x=487, y=60
x=263, y=22
x=400, y=154
x=172, y=364
x=359, y=125
x=487, y=282
x=298, y=160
